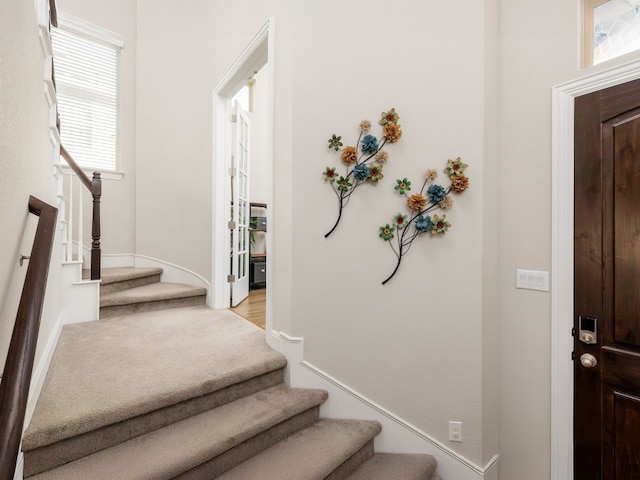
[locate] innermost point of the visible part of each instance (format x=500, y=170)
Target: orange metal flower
x=392, y=132
x=416, y=202
x=459, y=184
x=349, y=155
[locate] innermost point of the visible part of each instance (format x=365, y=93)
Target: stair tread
x=150, y=293
x=179, y=447
x=387, y=466
x=186, y=352
x=119, y=274
x=310, y=454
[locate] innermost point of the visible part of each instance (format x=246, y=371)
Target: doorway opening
x=254, y=67
x=250, y=303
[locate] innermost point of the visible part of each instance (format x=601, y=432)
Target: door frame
x=260, y=51
x=562, y=292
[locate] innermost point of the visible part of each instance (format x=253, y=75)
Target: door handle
x=587, y=360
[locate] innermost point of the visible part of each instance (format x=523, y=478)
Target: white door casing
x=259, y=52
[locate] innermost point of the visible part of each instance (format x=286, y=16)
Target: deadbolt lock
x=588, y=330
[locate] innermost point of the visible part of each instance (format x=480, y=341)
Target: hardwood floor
x=254, y=307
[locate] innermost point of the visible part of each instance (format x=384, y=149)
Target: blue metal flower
x=436, y=193
x=369, y=144
x=423, y=224
x=361, y=172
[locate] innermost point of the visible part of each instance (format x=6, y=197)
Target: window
x=86, y=71
x=611, y=29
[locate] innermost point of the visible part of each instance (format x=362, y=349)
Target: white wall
x=539, y=49
x=259, y=144
x=26, y=157
x=118, y=196
x=422, y=333
x=174, y=122
x=450, y=338
x=382, y=340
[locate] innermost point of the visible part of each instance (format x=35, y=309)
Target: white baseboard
x=397, y=436
x=173, y=273
x=40, y=371
x=19, y=473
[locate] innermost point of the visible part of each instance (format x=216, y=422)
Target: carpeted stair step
x=390, y=466
x=118, y=279
x=204, y=445
x=152, y=297
x=329, y=449
x=115, y=379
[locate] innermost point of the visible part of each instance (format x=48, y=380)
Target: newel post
x=96, y=193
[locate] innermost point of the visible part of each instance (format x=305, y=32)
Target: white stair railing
x=73, y=212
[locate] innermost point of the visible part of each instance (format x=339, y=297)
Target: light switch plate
x=532, y=280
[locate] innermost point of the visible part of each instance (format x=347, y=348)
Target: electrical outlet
x=455, y=431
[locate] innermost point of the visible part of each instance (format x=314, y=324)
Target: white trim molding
x=397, y=436
x=83, y=27
x=260, y=51
x=40, y=371
x=104, y=174
x=19, y=473
x=45, y=41
x=563, y=97
x=50, y=93
x=173, y=273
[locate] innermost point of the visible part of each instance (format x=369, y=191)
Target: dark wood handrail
x=73, y=165
x=53, y=13
x=16, y=378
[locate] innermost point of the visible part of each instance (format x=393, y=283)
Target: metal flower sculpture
x=405, y=228
x=364, y=161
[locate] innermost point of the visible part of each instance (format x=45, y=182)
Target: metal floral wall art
x=405, y=228
x=364, y=160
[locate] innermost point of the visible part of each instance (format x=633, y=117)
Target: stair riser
x=116, y=310
x=65, y=451
x=350, y=466
x=235, y=456
x=126, y=284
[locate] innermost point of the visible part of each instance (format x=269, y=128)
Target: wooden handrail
x=75, y=167
x=16, y=378
x=94, y=185
x=53, y=13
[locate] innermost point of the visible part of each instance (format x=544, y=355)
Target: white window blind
x=86, y=72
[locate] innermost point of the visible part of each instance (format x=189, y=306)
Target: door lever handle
x=587, y=360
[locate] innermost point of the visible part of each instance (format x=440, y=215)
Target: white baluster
x=80, y=223
x=70, y=220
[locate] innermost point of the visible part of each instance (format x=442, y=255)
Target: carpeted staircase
x=132, y=290
x=190, y=393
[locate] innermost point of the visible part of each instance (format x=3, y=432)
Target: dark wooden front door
x=607, y=284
